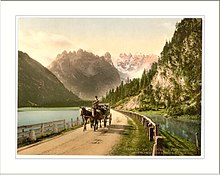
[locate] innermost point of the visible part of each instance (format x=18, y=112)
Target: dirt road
x=77, y=142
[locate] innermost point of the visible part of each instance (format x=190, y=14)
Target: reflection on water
x=182, y=128
x=34, y=117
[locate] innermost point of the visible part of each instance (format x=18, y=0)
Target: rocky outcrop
x=178, y=81
x=85, y=74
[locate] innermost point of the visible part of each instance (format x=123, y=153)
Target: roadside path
x=77, y=142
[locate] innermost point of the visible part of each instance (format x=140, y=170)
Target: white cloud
x=43, y=46
x=44, y=39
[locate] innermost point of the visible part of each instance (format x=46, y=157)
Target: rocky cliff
x=85, y=74
x=178, y=81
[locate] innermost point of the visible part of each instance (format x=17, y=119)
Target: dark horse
x=86, y=114
x=98, y=115
x=105, y=113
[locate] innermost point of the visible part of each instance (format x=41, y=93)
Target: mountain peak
x=85, y=73
x=133, y=65
x=108, y=58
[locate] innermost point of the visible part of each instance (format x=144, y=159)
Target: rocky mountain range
x=133, y=65
x=174, y=83
x=85, y=74
x=37, y=86
x=78, y=72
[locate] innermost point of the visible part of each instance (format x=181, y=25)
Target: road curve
x=77, y=142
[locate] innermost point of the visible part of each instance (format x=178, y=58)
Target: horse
x=85, y=114
x=105, y=114
x=97, y=115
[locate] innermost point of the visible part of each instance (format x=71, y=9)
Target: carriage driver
x=96, y=103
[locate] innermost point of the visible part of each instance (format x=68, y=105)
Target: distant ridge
x=37, y=86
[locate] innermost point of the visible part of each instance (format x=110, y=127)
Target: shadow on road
x=119, y=129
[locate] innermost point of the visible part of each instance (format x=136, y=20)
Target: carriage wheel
x=100, y=123
x=110, y=119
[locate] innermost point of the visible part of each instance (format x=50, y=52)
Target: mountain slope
x=85, y=73
x=175, y=82
x=37, y=86
x=178, y=81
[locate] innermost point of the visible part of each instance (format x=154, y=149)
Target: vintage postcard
x=109, y=86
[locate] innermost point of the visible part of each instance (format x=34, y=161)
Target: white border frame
x=209, y=164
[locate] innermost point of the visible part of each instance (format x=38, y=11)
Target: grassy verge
x=175, y=146
x=134, y=141
x=46, y=108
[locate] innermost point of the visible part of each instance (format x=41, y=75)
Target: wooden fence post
x=42, y=130
x=64, y=124
x=77, y=121
x=69, y=124
x=157, y=148
x=146, y=125
x=32, y=135
x=55, y=129
x=197, y=144
x=156, y=131
x=72, y=123
x=22, y=132
x=151, y=133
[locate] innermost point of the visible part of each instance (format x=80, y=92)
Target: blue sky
x=43, y=38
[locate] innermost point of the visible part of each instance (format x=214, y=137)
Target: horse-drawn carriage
x=95, y=115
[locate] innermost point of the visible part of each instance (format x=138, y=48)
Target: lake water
x=182, y=128
x=35, y=117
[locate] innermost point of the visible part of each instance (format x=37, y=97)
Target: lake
x=183, y=128
x=34, y=117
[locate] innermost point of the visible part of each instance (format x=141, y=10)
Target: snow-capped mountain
x=133, y=65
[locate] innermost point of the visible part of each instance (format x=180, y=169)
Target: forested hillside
x=175, y=82
x=37, y=86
